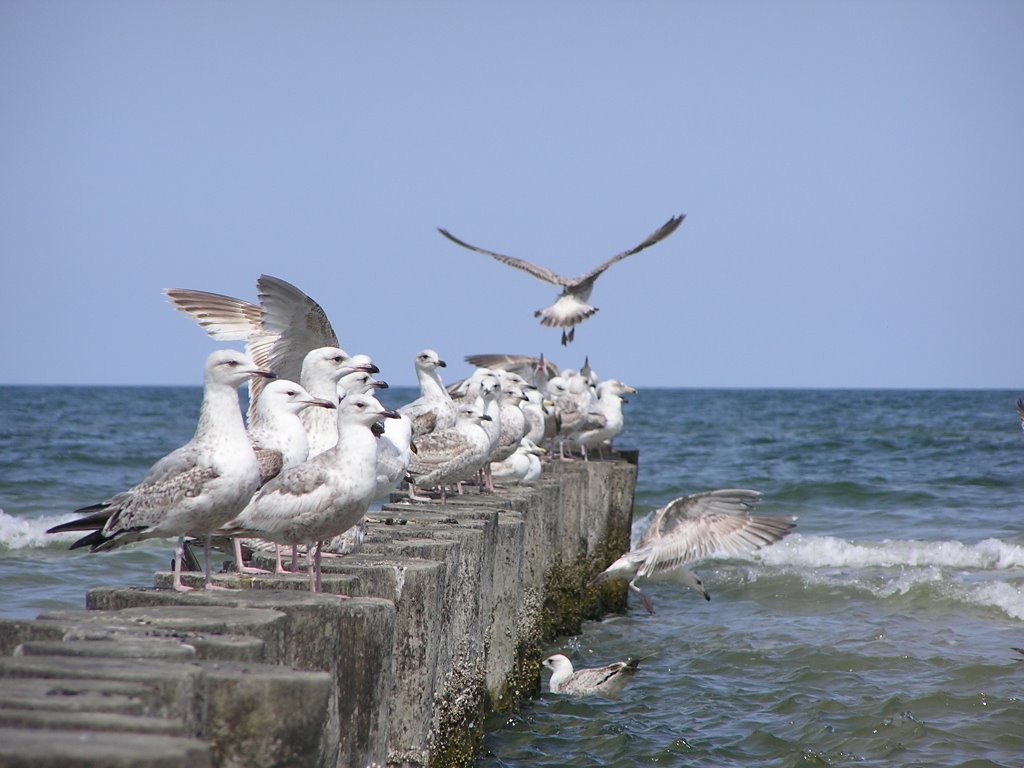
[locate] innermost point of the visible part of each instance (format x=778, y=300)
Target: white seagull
x=279, y=439
x=604, y=419
x=451, y=455
x=605, y=681
x=571, y=307
x=434, y=408
x=193, y=490
x=324, y=496
x=691, y=528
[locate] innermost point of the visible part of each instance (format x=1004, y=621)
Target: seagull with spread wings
x=571, y=307
x=695, y=527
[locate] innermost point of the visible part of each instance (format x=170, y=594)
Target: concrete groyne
x=451, y=607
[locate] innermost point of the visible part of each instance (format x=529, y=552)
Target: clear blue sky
x=852, y=172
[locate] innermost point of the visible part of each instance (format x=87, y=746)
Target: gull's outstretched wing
x=297, y=323
x=657, y=236
x=682, y=511
x=541, y=273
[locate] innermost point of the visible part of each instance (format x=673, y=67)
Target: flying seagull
x=692, y=528
x=571, y=307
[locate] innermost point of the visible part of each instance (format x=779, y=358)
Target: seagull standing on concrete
x=451, y=455
x=590, y=681
x=571, y=307
x=691, y=528
x=324, y=496
x=279, y=439
x=193, y=490
x=434, y=408
x=604, y=419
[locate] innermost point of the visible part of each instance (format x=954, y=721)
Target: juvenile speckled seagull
x=571, y=307
x=605, y=681
x=194, y=489
x=691, y=528
x=279, y=439
x=325, y=495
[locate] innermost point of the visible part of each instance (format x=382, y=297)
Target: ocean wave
x=833, y=552
x=30, y=532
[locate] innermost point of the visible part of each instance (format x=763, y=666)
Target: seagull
x=322, y=370
x=451, y=455
x=573, y=397
x=194, y=489
x=275, y=431
x=434, y=408
x=590, y=681
x=324, y=496
x=513, y=420
x=604, y=420
x=279, y=331
x=279, y=439
x=571, y=307
x=523, y=467
x=1020, y=412
x=691, y=528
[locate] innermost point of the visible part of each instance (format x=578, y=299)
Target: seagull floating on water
x=571, y=307
x=194, y=489
x=605, y=681
x=691, y=528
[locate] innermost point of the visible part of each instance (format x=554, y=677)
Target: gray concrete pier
x=450, y=609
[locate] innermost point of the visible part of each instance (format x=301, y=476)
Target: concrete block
x=40, y=748
x=350, y=638
x=243, y=634
x=144, y=648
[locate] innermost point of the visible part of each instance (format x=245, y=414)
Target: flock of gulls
x=300, y=469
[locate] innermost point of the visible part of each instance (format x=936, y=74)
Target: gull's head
x=490, y=387
x=325, y=363
x=231, y=367
x=360, y=364
x=359, y=382
x=625, y=567
x=532, y=447
x=472, y=412
x=363, y=409
x=288, y=397
x=428, y=360
x=615, y=387
x=558, y=663
x=558, y=387
x=512, y=392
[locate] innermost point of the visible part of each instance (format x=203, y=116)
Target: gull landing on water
x=571, y=307
x=590, y=681
x=691, y=528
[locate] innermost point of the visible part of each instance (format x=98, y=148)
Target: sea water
x=880, y=633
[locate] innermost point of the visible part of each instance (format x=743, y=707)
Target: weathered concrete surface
x=54, y=748
x=450, y=608
x=342, y=637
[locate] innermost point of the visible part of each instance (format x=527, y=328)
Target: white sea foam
x=832, y=552
x=30, y=532
x=1006, y=597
